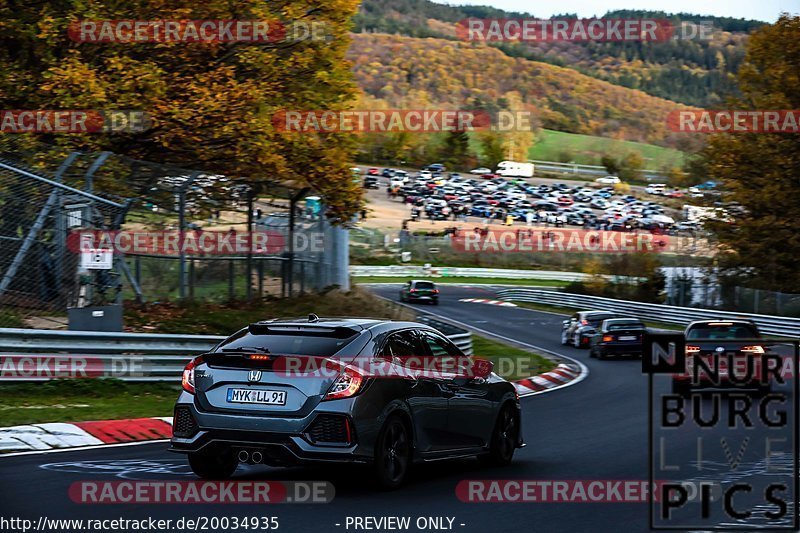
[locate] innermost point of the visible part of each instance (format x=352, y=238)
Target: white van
x=656, y=188
x=514, y=169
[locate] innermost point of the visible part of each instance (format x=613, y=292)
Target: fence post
x=249, y=266
x=191, y=279
x=230, y=280
x=261, y=277
x=181, y=230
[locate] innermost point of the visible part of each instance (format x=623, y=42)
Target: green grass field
x=588, y=150
x=510, y=362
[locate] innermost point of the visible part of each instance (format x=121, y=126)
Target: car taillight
x=346, y=385
x=753, y=349
x=584, y=322
x=188, y=374
x=692, y=349
x=435, y=291
x=608, y=338
x=413, y=290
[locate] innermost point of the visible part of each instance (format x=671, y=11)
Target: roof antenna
x=313, y=318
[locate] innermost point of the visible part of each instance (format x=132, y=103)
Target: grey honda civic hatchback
x=342, y=390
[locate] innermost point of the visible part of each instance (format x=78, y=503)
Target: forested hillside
x=694, y=72
x=426, y=72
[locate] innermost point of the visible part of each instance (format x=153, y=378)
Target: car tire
x=504, y=439
x=576, y=341
x=215, y=466
x=436, y=302
x=392, y=454
x=592, y=353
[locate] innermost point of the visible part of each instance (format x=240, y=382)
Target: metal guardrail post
x=37, y=226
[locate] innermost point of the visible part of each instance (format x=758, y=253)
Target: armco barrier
x=768, y=324
x=455, y=272
x=157, y=357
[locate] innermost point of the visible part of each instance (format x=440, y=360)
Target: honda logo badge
x=254, y=375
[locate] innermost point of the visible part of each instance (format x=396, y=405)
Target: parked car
x=373, y=171
x=731, y=342
x=610, y=180
x=480, y=171
x=618, y=336
x=371, y=182
x=436, y=167
x=388, y=172
x=241, y=404
x=419, y=291
x=578, y=329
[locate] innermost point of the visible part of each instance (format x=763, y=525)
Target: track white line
x=584, y=371
x=79, y=448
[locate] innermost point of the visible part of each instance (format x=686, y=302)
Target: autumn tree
x=211, y=104
x=455, y=151
x=491, y=147
x=630, y=166
x=760, y=172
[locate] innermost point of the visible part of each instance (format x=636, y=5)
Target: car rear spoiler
x=310, y=330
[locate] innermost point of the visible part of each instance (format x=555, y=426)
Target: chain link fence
x=140, y=218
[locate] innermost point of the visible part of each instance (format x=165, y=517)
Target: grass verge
x=509, y=361
x=465, y=281
x=71, y=400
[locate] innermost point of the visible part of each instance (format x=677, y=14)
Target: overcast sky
x=766, y=10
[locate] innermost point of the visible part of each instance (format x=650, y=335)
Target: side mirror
x=565, y=323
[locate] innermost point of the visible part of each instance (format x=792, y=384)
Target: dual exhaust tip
x=246, y=457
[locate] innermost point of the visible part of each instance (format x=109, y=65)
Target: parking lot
x=424, y=198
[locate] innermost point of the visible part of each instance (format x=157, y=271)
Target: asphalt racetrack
x=596, y=429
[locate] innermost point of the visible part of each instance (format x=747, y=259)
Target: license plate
x=258, y=396
x=628, y=338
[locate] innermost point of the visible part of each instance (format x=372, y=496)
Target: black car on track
x=391, y=394
x=618, y=336
x=580, y=327
x=419, y=291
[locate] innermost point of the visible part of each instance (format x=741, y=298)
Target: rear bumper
x=282, y=441
x=620, y=349
x=418, y=298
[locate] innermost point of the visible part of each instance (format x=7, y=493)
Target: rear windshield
x=314, y=344
x=595, y=320
x=625, y=325
x=734, y=331
x=424, y=285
